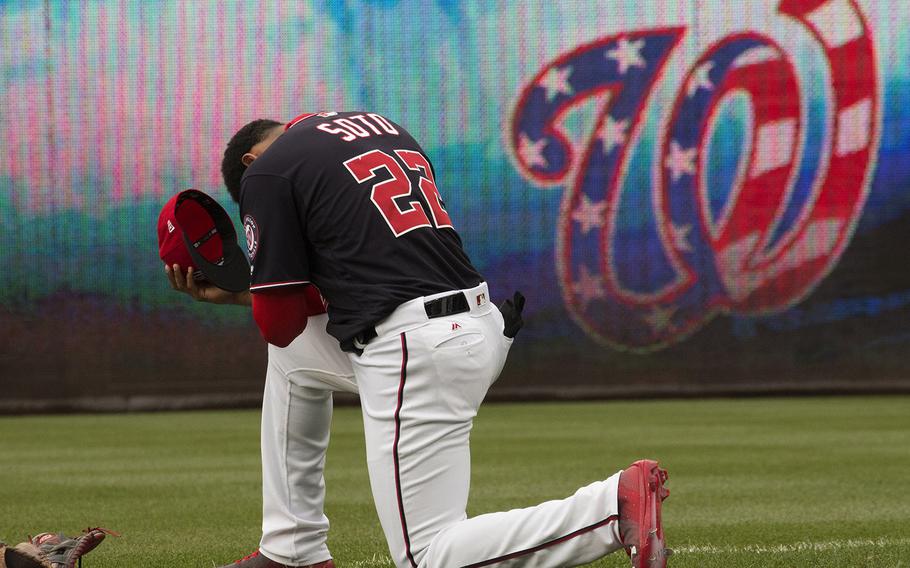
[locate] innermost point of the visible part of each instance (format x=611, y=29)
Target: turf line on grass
x=792, y=547
x=375, y=561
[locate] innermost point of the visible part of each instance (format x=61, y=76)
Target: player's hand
x=203, y=291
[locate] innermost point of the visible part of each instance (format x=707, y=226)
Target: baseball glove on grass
x=25, y=555
x=48, y=550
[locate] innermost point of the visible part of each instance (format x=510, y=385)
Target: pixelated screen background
x=696, y=197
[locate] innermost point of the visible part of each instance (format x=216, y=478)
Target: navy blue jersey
x=348, y=202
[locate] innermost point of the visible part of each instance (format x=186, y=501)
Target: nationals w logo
x=760, y=246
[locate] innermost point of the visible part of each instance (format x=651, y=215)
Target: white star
x=660, y=318
x=531, y=153
x=556, y=82
x=589, y=214
x=700, y=79
x=680, y=235
x=627, y=54
x=680, y=162
x=612, y=133
x=588, y=287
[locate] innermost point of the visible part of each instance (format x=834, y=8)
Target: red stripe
x=758, y=79
x=404, y=522
x=540, y=547
x=799, y=8
x=853, y=72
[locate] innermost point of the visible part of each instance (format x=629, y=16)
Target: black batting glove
x=511, y=314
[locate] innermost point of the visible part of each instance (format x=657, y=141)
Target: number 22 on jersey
x=384, y=193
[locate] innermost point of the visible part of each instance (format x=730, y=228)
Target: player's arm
x=279, y=264
x=281, y=314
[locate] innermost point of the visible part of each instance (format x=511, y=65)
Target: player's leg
x=419, y=466
x=417, y=422
x=420, y=389
x=620, y=512
x=567, y=532
x=576, y=530
x=296, y=419
x=295, y=436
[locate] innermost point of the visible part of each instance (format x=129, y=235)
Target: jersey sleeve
x=274, y=235
x=281, y=314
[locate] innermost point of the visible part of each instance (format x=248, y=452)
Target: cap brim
x=233, y=273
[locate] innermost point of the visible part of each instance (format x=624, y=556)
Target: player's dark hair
x=232, y=168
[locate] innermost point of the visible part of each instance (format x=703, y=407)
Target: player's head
x=245, y=146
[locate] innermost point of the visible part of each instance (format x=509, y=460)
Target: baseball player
x=348, y=202
x=297, y=402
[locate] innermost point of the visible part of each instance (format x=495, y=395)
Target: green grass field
x=755, y=483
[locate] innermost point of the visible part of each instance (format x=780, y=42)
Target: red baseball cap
x=195, y=231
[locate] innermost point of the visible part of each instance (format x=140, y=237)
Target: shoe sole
x=654, y=552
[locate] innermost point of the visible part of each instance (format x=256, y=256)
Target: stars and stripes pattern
x=621, y=70
x=768, y=245
x=622, y=65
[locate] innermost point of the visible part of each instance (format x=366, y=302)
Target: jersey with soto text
x=348, y=201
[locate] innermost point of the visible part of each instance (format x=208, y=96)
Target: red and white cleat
x=641, y=492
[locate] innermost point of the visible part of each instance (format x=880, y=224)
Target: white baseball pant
x=421, y=382
x=296, y=418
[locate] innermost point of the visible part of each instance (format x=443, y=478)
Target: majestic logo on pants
x=641, y=274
